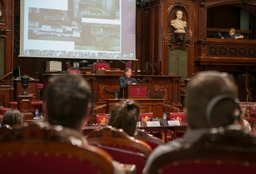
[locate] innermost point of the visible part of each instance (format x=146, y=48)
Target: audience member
x=178, y=23
x=68, y=102
x=124, y=115
x=125, y=80
x=233, y=35
x=12, y=117
x=210, y=103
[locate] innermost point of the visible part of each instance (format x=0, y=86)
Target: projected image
x=45, y=24
x=98, y=8
x=93, y=29
x=105, y=37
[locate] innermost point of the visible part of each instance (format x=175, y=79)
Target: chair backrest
x=40, y=149
x=102, y=119
x=123, y=148
x=177, y=116
x=101, y=66
x=230, y=151
x=144, y=117
x=152, y=141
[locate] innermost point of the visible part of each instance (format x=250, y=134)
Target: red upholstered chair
x=222, y=152
x=121, y=146
x=102, y=119
x=37, y=149
x=36, y=104
x=144, y=117
x=74, y=71
x=3, y=110
x=177, y=116
x=152, y=141
x=100, y=67
x=40, y=87
x=13, y=104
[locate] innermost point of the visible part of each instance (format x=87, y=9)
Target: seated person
x=215, y=106
x=125, y=80
x=124, y=115
x=68, y=102
x=12, y=117
x=233, y=35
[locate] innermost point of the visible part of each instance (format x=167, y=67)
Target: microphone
x=122, y=61
x=153, y=69
x=141, y=80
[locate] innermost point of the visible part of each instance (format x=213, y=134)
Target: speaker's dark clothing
x=123, y=82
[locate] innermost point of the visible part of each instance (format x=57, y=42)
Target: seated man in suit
x=68, y=102
x=125, y=80
x=210, y=103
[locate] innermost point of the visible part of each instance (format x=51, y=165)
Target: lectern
x=24, y=106
x=136, y=91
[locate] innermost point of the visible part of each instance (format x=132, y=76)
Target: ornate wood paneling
x=102, y=85
x=226, y=52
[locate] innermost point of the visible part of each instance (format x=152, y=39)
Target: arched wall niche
x=209, y=16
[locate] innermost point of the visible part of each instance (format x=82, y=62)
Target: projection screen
x=78, y=29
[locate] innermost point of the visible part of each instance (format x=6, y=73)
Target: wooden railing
x=224, y=31
x=6, y=75
x=226, y=52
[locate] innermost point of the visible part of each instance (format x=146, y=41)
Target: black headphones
x=216, y=100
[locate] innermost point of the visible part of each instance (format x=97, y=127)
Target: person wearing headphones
x=211, y=102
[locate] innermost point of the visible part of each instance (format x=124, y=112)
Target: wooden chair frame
x=220, y=152
x=41, y=142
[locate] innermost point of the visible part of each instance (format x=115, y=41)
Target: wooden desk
x=101, y=83
x=165, y=129
x=146, y=105
x=87, y=129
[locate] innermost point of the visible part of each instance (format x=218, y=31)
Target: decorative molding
x=113, y=92
x=231, y=51
x=202, y=20
x=3, y=34
x=178, y=41
x=248, y=1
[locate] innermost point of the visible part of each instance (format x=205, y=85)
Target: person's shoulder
x=161, y=150
x=121, y=77
x=168, y=147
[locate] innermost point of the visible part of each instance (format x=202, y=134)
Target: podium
x=24, y=106
x=136, y=91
